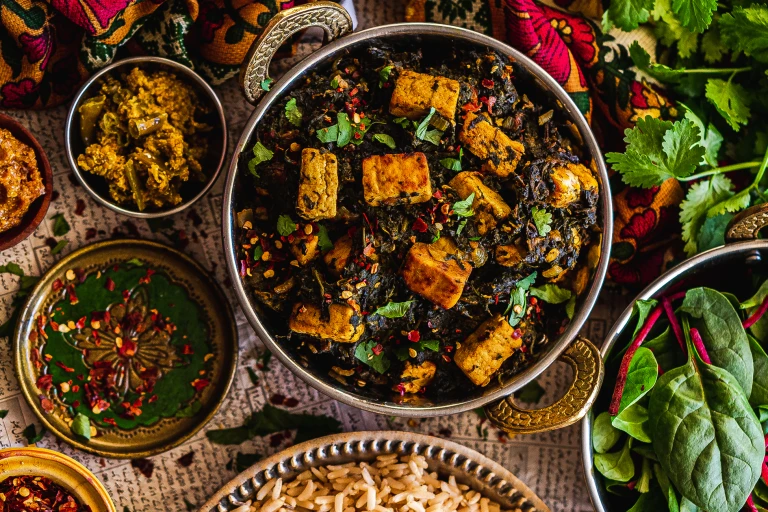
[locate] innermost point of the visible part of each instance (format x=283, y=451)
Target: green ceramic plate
x=126, y=348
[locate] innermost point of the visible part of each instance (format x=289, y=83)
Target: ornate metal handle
x=587, y=366
x=747, y=224
x=335, y=20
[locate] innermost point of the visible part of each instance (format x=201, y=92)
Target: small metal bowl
x=446, y=457
x=725, y=268
x=217, y=139
x=39, y=206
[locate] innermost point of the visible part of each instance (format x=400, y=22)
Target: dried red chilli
x=749, y=322
x=698, y=343
x=621, y=379
x=21, y=493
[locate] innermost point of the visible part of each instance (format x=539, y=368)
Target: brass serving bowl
x=722, y=267
x=60, y=469
x=582, y=355
x=445, y=457
x=191, y=192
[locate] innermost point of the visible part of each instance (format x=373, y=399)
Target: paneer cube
x=482, y=353
x=416, y=93
x=338, y=257
x=510, y=255
x=416, y=376
x=318, y=185
x=345, y=324
x=434, y=275
x=566, y=187
x=393, y=179
x=488, y=204
x=305, y=249
x=584, y=175
x=501, y=154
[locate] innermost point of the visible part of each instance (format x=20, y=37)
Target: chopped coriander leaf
x=394, y=309
x=658, y=150
x=292, y=112
x=330, y=134
x=642, y=60
x=453, y=164
x=60, y=225
x=385, y=139
x=695, y=15
x=731, y=100
x=464, y=208
x=517, y=300
x=701, y=196
x=335, y=82
x=266, y=84
x=402, y=351
x=365, y=352
x=402, y=121
x=323, y=240
x=260, y=155
x=629, y=14
x=421, y=129
x=285, y=225
x=384, y=75
x=541, y=219
x=746, y=30
x=252, y=375
x=345, y=129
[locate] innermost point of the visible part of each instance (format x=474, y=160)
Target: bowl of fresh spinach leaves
x=680, y=423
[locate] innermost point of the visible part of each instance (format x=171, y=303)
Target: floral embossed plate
x=126, y=348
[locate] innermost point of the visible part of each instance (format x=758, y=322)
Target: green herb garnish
x=394, y=309
x=60, y=225
x=81, y=426
x=60, y=245
x=260, y=155
x=285, y=225
x=385, y=139
x=323, y=240
x=453, y=164
x=384, y=75
x=518, y=300
x=402, y=350
x=541, y=219
x=364, y=352
x=464, y=208
x=266, y=84
x=551, y=293
x=292, y=112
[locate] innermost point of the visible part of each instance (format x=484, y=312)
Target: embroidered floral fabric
x=595, y=69
x=48, y=48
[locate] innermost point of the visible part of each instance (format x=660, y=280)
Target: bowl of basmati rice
x=384, y=471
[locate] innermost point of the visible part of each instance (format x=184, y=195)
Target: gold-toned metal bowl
x=60, y=469
x=200, y=288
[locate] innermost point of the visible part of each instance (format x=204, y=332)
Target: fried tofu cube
x=416, y=376
x=338, y=257
x=501, y=154
x=433, y=274
x=393, y=179
x=566, y=187
x=416, y=93
x=488, y=204
x=482, y=353
x=318, y=185
x=345, y=324
x=584, y=175
x=305, y=249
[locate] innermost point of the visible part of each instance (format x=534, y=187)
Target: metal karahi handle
x=335, y=20
x=584, y=358
x=747, y=224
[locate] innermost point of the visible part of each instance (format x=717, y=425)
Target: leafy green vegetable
x=666, y=350
x=551, y=293
x=433, y=136
x=617, y=465
x=258, y=252
x=541, y=219
x=285, y=225
x=384, y=75
x=292, y=112
x=330, y=134
x=260, y=155
x=60, y=245
x=365, y=352
x=642, y=60
x=644, y=482
x=628, y=14
x=402, y=350
x=464, y=208
x=658, y=150
x=693, y=210
x=60, y=225
x=604, y=434
x=323, y=240
x=81, y=426
x=705, y=434
x=634, y=421
x=724, y=337
x=759, y=395
x=394, y=309
x=695, y=14
x=731, y=100
x=641, y=377
x=421, y=129
x=746, y=30
x=711, y=139
x=666, y=488
x=271, y=420
x=385, y=139
x=345, y=129
x=518, y=300
x=453, y=164
x=641, y=309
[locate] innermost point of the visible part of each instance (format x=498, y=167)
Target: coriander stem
x=720, y=170
x=761, y=171
x=717, y=70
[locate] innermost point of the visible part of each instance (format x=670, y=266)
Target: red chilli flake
x=749, y=322
x=72, y=295
x=187, y=350
x=44, y=382
x=126, y=295
x=414, y=336
x=378, y=349
x=621, y=379
x=147, y=277
x=420, y=226
x=487, y=83
x=64, y=367
x=109, y=284
x=57, y=285
x=200, y=384
x=699, y=344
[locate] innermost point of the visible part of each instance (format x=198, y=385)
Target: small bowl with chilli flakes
x=146, y=137
x=417, y=221
x=26, y=183
x=39, y=479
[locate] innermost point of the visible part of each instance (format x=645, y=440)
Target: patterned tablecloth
x=549, y=463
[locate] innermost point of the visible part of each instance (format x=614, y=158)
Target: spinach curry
x=421, y=220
